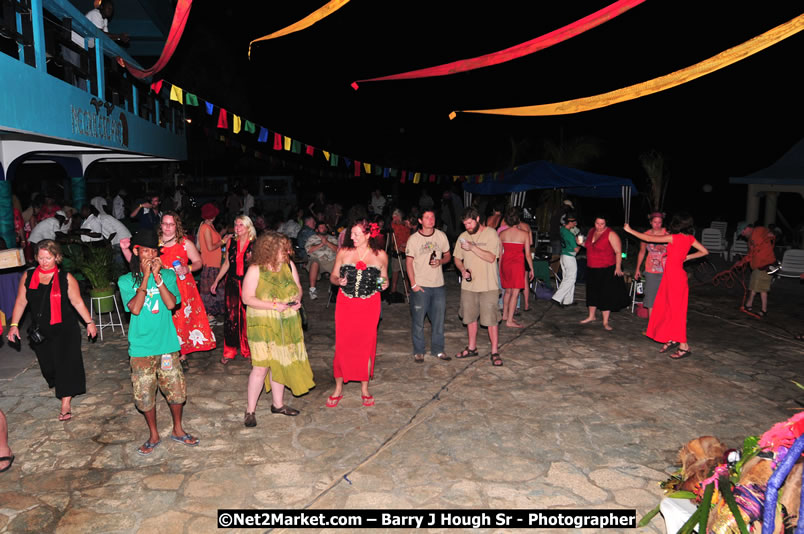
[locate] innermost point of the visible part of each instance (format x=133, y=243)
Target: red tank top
x=600, y=253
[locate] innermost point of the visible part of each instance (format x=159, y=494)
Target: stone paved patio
x=576, y=418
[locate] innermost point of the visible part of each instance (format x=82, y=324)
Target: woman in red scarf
x=238, y=255
x=59, y=353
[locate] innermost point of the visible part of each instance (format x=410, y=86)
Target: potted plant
x=94, y=260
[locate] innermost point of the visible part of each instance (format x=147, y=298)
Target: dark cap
x=145, y=238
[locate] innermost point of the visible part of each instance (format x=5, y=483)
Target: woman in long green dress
x=272, y=292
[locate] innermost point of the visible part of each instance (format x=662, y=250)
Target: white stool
x=100, y=324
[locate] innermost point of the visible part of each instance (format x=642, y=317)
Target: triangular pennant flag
x=210, y=107
x=235, y=124
x=367, y=166
x=176, y=94
x=432, y=178
x=263, y=138
x=310, y=150
x=190, y=99
x=417, y=177
x=249, y=127
x=326, y=154
x=386, y=172
x=288, y=142
x=347, y=161
x=333, y=160
x=394, y=172
x=295, y=146
x=404, y=175
x=277, y=141
x=223, y=121
x=357, y=168
x=156, y=86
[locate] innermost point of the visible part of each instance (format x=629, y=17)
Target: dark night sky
x=729, y=123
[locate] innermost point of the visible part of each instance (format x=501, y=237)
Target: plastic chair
x=792, y=264
x=99, y=323
x=713, y=241
x=722, y=226
x=739, y=247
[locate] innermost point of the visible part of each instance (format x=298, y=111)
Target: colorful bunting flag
x=357, y=168
x=236, y=123
x=295, y=146
x=277, y=141
x=223, y=121
x=190, y=99
x=432, y=178
x=288, y=142
x=263, y=137
x=386, y=172
x=310, y=150
x=417, y=177
x=157, y=86
x=347, y=161
x=176, y=94
x=404, y=175
x=333, y=160
x=367, y=166
x=326, y=154
x=210, y=107
x=249, y=127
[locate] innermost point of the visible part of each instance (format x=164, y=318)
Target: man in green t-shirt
x=150, y=292
x=565, y=294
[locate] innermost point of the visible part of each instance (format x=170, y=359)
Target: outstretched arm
x=649, y=238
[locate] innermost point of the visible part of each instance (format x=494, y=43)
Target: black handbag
x=303, y=315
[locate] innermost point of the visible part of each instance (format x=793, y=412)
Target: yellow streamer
x=724, y=59
x=331, y=7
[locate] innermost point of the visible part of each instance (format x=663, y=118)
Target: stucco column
x=7, y=215
x=771, y=199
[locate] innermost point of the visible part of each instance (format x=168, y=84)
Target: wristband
x=12, y=325
x=414, y=286
x=161, y=282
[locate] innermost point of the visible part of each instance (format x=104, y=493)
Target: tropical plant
x=655, y=167
x=95, y=260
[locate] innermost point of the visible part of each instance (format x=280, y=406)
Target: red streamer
x=176, y=31
x=534, y=45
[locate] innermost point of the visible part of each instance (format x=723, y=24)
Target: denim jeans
x=430, y=301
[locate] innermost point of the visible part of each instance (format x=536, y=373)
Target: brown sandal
x=496, y=360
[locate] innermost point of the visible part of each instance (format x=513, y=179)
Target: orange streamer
x=724, y=59
x=324, y=11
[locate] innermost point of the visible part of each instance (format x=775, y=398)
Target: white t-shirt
x=421, y=248
x=97, y=19
x=47, y=229
x=248, y=204
x=105, y=225
x=118, y=207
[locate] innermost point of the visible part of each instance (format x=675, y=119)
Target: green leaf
x=725, y=490
x=648, y=517
x=682, y=495
x=706, y=506
x=796, y=383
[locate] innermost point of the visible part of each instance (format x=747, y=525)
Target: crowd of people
x=250, y=277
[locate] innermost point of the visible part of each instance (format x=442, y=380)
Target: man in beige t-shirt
x=426, y=251
x=476, y=255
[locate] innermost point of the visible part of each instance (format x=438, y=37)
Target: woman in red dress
x=190, y=318
x=668, y=322
x=238, y=255
x=361, y=271
x=516, y=251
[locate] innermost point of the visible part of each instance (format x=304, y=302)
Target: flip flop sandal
x=680, y=354
x=333, y=401
x=466, y=353
x=368, y=400
x=496, y=361
x=186, y=439
x=418, y=358
x=148, y=445
x=762, y=313
x=670, y=345
x=9, y=459
x=442, y=356
x=68, y=416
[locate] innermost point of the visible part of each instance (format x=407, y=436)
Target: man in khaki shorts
x=476, y=255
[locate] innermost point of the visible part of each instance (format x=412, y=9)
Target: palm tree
x=655, y=167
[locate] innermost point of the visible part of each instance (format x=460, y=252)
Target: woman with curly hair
x=272, y=292
x=238, y=254
x=190, y=319
x=361, y=271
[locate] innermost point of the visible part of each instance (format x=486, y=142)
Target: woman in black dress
x=59, y=352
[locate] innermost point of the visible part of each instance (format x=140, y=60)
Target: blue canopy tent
x=545, y=175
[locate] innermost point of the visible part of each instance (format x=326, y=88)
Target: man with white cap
x=47, y=228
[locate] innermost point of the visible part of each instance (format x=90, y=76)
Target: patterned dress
x=235, y=333
x=275, y=338
x=190, y=318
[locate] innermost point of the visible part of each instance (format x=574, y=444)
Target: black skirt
x=604, y=290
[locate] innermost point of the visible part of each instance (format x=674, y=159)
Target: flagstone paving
x=576, y=418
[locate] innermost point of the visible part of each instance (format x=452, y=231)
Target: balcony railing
x=53, y=36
